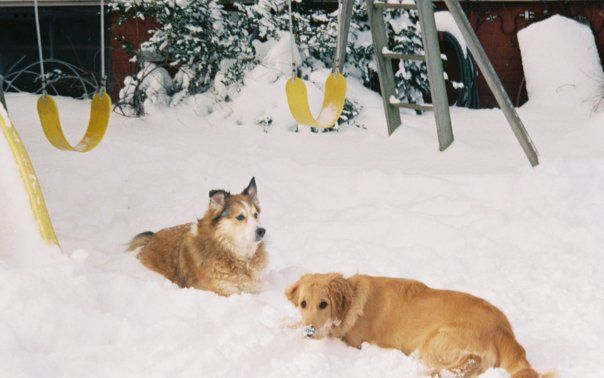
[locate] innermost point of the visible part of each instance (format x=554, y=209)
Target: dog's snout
x=260, y=233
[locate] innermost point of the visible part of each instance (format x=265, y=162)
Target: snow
x=280, y=55
x=561, y=63
x=446, y=23
x=328, y=114
x=153, y=80
x=475, y=218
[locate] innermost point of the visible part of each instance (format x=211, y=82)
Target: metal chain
x=103, y=75
x=41, y=56
x=336, y=67
x=291, y=38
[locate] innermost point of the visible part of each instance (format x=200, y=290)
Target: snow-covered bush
x=149, y=86
x=194, y=38
x=405, y=38
x=210, y=50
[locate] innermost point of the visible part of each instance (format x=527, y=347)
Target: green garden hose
x=467, y=96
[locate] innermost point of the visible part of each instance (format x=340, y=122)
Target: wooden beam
x=386, y=74
x=490, y=76
x=436, y=76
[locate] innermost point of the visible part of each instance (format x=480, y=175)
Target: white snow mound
x=561, y=64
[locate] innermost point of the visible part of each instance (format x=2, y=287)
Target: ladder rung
x=393, y=55
x=406, y=105
x=384, y=5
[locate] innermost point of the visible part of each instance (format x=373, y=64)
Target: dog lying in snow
x=448, y=330
x=222, y=252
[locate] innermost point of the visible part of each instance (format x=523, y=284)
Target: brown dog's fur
x=449, y=330
x=217, y=253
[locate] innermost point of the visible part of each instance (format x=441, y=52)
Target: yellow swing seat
x=97, y=124
x=333, y=101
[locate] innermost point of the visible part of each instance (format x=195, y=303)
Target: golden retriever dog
x=222, y=252
x=448, y=330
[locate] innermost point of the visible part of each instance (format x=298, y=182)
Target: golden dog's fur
x=448, y=330
x=222, y=252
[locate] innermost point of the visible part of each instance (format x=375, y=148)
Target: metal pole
x=344, y=17
x=292, y=39
x=493, y=81
x=385, y=72
x=43, y=75
x=436, y=77
x=103, y=77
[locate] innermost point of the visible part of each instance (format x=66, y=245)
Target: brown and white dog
x=449, y=330
x=222, y=252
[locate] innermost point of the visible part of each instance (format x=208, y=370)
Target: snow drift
x=475, y=218
x=561, y=64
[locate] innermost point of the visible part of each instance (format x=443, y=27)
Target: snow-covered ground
x=475, y=218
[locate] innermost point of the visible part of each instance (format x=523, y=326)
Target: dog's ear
x=292, y=292
x=340, y=295
x=251, y=190
x=218, y=199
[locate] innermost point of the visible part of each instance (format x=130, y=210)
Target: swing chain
x=44, y=85
x=41, y=56
x=103, y=84
x=336, y=67
x=103, y=87
x=292, y=39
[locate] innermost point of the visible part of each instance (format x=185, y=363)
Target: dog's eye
x=240, y=217
x=322, y=305
x=256, y=215
x=303, y=304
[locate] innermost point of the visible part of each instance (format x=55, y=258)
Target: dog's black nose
x=260, y=233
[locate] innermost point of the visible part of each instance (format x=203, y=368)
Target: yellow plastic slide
x=12, y=152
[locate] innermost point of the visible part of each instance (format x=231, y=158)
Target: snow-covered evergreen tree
x=209, y=49
x=194, y=38
x=405, y=38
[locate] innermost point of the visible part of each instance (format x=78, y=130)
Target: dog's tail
x=140, y=240
x=512, y=357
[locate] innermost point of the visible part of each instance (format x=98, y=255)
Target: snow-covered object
x=152, y=80
x=222, y=87
x=561, y=64
x=279, y=56
x=446, y=23
x=182, y=81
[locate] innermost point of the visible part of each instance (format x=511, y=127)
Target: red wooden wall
x=496, y=25
x=135, y=31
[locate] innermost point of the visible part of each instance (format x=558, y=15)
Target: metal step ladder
x=432, y=57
